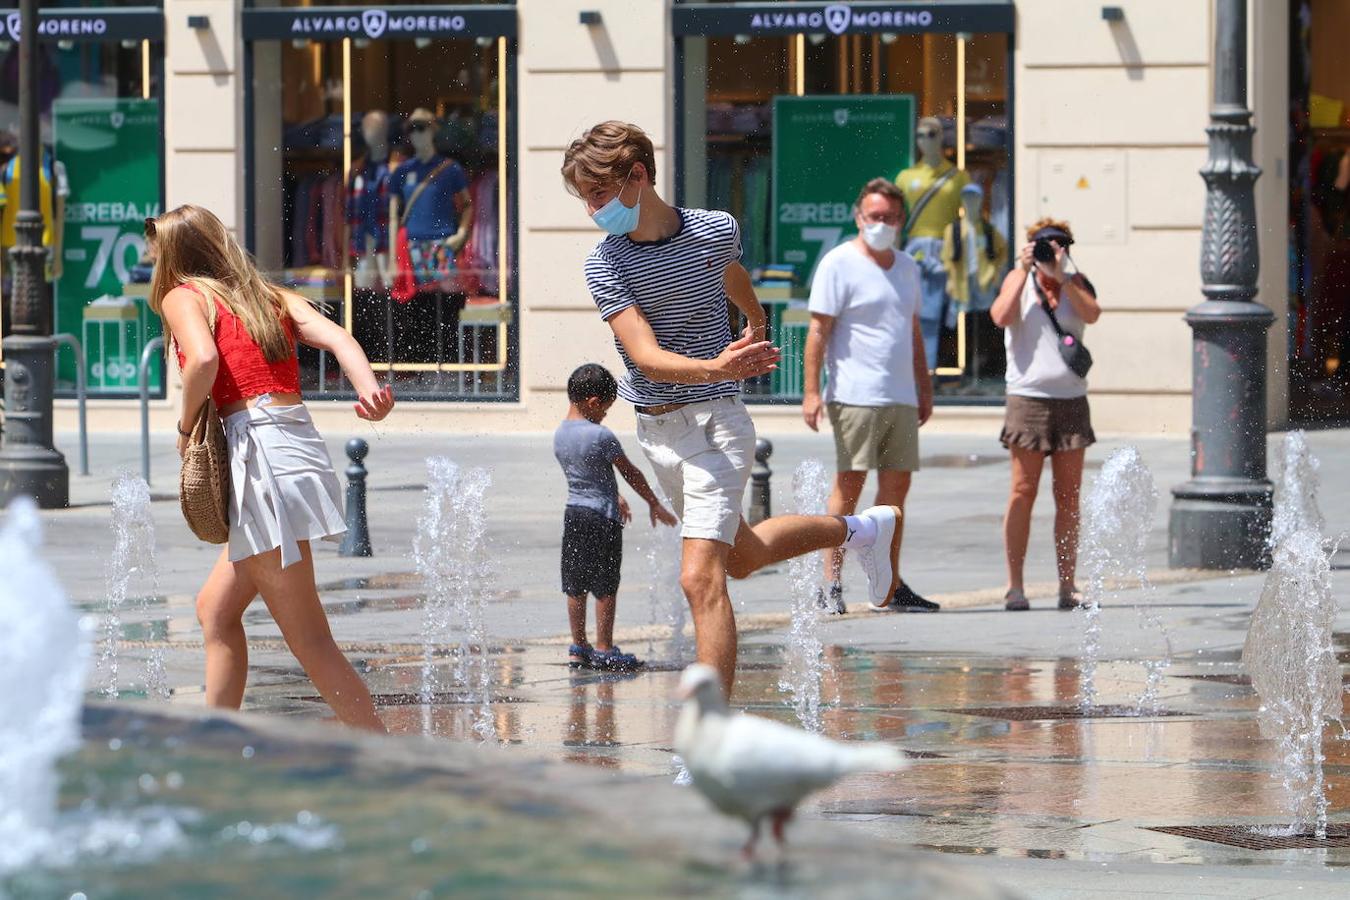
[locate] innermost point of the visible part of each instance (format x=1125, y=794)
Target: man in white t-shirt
x=864, y=317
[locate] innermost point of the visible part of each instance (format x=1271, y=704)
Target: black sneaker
x=905, y=600
x=835, y=603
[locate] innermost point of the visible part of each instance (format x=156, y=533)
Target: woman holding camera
x=1044, y=305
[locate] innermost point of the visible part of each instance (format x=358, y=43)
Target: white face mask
x=879, y=236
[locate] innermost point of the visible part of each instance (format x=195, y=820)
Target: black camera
x=1043, y=251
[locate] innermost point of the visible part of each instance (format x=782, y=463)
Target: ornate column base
x=29, y=465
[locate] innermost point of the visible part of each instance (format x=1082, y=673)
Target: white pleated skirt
x=283, y=489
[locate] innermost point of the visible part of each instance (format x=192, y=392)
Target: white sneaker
x=879, y=560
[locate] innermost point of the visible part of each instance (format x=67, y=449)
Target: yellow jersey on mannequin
x=940, y=209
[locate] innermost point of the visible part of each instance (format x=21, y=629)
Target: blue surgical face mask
x=616, y=218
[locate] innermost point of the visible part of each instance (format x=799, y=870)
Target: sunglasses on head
x=928, y=132
x=420, y=126
x=149, y=228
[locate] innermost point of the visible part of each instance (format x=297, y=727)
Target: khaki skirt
x=1047, y=425
x=283, y=489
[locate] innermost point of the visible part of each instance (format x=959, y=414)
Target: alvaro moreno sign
x=840, y=18
x=379, y=22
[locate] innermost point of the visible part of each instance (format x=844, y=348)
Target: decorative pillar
x=29, y=465
x=1221, y=517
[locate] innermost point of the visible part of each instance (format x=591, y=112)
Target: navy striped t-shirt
x=678, y=283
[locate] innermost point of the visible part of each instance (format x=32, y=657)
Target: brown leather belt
x=660, y=410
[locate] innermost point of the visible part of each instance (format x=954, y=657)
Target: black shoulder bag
x=1073, y=351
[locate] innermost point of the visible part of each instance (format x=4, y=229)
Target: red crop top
x=244, y=371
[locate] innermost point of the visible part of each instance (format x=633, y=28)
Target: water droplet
x=247, y=753
x=173, y=781
x=115, y=744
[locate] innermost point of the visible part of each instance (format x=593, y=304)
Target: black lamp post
x=29, y=465
x=1221, y=517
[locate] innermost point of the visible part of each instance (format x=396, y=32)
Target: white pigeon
x=753, y=768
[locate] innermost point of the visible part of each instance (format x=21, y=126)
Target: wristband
x=181, y=432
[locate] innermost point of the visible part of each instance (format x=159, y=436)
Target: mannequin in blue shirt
x=442, y=212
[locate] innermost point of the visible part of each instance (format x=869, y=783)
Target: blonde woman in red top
x=235, y=334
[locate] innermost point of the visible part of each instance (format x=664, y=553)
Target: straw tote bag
x=204, y=480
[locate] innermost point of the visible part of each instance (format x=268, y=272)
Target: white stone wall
x=1124, y=102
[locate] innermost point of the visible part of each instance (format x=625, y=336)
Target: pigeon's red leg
x=748, y=851
x=780, y=819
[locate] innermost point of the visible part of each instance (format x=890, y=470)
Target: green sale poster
x=825, y=149
x=110, y=149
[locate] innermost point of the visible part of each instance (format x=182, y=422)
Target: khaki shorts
x=875, y=437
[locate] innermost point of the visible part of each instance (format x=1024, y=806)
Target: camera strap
x=1045, y=303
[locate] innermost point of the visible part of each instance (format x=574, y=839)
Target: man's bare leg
x=703, y=576
x=780, y=538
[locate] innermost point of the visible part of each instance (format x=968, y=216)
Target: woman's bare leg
x=1026, y=479
x=293, y=599
x=1066, y=469
x=220, y=610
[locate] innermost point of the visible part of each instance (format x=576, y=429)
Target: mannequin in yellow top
x=927, y=218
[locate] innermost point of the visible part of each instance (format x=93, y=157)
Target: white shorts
x=702, y=454
x=283, y=489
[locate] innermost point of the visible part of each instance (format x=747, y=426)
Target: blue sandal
x=579, y=656
x=615, y=660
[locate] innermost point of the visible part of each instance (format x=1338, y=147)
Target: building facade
x=287, y=120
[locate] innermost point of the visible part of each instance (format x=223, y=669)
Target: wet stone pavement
x=997, y=782
x=1001, y=783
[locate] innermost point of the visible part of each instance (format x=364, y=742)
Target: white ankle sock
x=862, y=532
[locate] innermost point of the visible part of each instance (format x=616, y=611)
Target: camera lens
x=1043, y=251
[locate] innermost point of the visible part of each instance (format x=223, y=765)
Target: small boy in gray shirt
x=592, y=540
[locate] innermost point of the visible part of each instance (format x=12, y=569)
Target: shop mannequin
x=367, y=209
x=974, y=255
x=932, y=189
x=434, y=191
x=53, y=189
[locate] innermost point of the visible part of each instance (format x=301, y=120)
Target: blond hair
x=606, y=154
x=193, y=247
x=1048, y=223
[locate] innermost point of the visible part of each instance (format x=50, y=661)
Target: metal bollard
x=152, y=346
x=356, y=542
x=759, y=482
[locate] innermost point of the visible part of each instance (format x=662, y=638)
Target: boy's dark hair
x=592, y=381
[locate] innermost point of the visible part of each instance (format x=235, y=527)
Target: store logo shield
x=14, y=25
x=837, y=17
x=374, y=22
x=116, y=118
x=841, y=117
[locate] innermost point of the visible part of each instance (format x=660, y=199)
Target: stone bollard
x=356, y=542
x=759, y=483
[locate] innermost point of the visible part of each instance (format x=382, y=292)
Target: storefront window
x=782, y=129
x=379, y=188
x=1319, y=207
x=99, y=73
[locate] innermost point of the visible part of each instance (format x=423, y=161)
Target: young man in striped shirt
x=661, y=279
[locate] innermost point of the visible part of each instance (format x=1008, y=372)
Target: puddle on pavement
x=1134, y=772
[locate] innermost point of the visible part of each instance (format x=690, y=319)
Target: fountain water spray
x=45, y=650
x=665, y=596
x=1117, y=516
x=450, y=552
x=132, y=561
x=1296, y=492
x=805, y=668
x=1289, y=652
